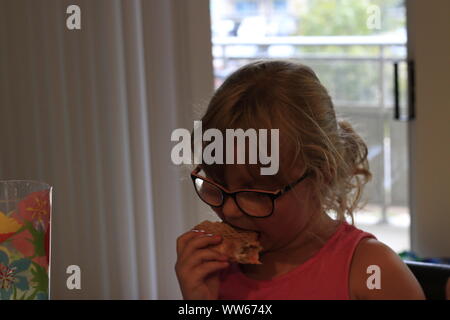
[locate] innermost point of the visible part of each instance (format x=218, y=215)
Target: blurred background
x=91, y=111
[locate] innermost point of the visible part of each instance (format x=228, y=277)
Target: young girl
x=323, y=168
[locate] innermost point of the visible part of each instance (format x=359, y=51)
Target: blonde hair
x=287, y=95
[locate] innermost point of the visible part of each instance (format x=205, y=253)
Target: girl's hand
x=197, y=266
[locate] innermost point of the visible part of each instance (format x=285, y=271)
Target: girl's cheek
x=218, y=211
x=287, y=218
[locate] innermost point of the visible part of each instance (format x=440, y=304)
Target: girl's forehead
x=235, y=176
x=244, y=176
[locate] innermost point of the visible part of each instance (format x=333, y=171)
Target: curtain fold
x=90, y=112
x=139, y=148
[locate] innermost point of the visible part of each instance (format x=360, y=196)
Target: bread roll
x=239, y=245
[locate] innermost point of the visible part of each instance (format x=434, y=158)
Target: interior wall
x=429, y=133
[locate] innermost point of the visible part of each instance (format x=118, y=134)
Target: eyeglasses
x=252, y=202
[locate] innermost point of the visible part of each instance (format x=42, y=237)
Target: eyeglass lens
x=253, y=203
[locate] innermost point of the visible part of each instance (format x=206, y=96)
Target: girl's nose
x=230, y=208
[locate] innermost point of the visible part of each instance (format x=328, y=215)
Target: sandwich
x=241, y=246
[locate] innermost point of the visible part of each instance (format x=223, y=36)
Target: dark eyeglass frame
x=225, y=192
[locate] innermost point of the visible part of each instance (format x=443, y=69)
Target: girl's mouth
x=243, y=229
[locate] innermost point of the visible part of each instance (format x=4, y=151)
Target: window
x=246, y=7
x=279, y=5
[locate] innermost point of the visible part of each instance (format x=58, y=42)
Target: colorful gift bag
x=25, y=211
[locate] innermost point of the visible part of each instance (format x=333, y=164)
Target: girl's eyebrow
x=271, y=185
x=214, y=178
x=247, y=184
x=241, y=183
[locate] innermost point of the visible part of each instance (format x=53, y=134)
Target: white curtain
x=90, y=112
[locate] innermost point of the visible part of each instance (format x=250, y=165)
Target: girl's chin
x=265, y=243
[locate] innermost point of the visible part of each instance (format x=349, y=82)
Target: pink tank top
x=325, y=276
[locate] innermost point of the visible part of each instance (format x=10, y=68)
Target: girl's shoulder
x=377, y=272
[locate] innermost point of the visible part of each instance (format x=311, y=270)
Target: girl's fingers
x=185, y=238
x=199, y=242
x=205, y=269
x=202, y=256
